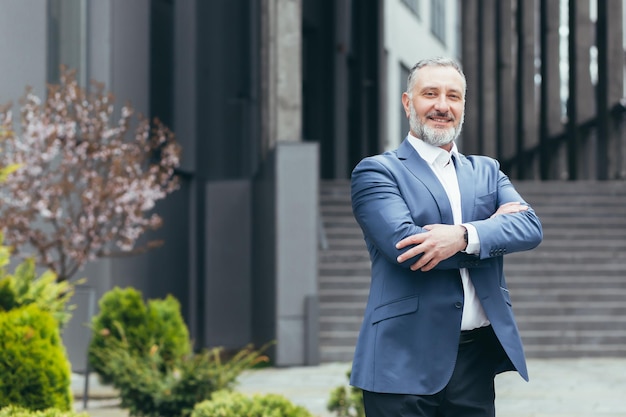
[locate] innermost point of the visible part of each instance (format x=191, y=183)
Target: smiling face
x=435, y=107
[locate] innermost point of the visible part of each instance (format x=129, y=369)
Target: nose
x=442, y=104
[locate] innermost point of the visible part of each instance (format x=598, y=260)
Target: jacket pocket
x=395, y=308
x=485, y=206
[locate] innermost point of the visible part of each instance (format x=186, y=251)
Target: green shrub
x=346, y=401
x=124, y=317
x=149, y=387
x=144, y=352
x=24, y=288
x=12, y=411
x=34, y=369
x=233, y=404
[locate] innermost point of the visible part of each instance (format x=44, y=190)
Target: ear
x=406, y=101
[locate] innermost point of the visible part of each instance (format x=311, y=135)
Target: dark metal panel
x=550, y=114
x=363, y=77
x=505, y=105
x=226, y=90
x=227, y=275
x=616, y=148
x=527, y=124
x=471, y=68
x=320, y=90
x=489, y=85
x=610, y=161
x=602, y=161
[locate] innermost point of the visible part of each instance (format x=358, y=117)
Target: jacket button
x=458, y=304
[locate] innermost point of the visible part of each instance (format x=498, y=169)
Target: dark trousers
x=469, y=393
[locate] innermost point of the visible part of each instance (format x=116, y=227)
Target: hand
x=440, y=242
x=509, y=208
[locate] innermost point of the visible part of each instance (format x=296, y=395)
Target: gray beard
x=432, y=136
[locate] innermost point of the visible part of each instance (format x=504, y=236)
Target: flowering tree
x=84, y=189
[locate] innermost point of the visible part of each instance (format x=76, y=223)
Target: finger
x=411, y=240
x=429, y=266
x=411, y=253
x=420, y=264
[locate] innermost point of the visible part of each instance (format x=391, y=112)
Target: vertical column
x=281, y=79
x=581, y=106
x=342, y=43
x=610, y=161
x=550, y=107
x=286, y=193
x=505, y=100
x=602, y=127
x=527, y=126
x=572, y=130
x=488, y=89
x=185, y=80
x=586, y=105
x=471, y=68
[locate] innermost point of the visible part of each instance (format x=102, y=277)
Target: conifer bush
x=13, y=411
x=34, y=369
x=23, y=287
x=234, y=404
x=144, y=351
x=346, y=401
x=124, y=317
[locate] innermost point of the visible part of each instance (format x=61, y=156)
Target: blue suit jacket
x=409, y=337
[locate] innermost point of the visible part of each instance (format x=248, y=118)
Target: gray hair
x=432, y=62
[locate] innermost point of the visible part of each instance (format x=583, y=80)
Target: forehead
x=442, y=78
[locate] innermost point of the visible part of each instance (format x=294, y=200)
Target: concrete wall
x=285, y=253
x=23, y=48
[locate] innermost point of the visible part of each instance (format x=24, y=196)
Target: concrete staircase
x=569, y=294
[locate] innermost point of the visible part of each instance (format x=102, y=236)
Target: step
x=569, y=294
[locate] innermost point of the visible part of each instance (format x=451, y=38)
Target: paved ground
x=558, y=388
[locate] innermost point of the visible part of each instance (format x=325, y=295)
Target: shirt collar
x=429, y=152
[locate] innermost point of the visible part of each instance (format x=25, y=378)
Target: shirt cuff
x=473, y=242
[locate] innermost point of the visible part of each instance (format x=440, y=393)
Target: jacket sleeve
x=508, y=233
x=384, y=216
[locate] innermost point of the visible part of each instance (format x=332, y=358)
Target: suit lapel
x=465, y=177
x=422, y=171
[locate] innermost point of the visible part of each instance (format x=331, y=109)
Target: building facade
x=267, y=97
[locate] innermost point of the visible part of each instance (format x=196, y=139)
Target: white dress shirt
x=441, y=163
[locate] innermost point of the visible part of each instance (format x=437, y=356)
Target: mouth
x=440, y=119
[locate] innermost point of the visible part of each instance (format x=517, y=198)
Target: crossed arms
x=441, y=241
x=389, y=225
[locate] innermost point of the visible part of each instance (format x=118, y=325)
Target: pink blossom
x=87, y=184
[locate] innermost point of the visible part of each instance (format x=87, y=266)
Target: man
x=438, y=325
